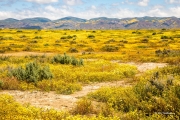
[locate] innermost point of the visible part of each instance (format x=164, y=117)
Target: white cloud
x=50, y=8
x=92, y=11
x=175, y=11
x=5, y=14
x=73, y=2
x=42, y=1
x=157, y=12
x=143, y=2
x=122, y=13
x=93, y=7
x=174, y=1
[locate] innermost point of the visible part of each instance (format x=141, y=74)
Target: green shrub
x=110, y=48
x=72, y=42
x=72, y=50
x=19, y=31
x=67, y=60
x=66, y=37
x=38, y=37
x=90, y=49
x=90, y=36
x=145, y=40
x=154, y=33
x=33, y=72
x=34, y=41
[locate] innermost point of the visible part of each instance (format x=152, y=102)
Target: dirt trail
x=49, y=100
x=143, y=67
x=66, y=102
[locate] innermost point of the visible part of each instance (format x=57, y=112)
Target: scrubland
x=64, y=61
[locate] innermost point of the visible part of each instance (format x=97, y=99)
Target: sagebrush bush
x=110, y=48
x=90, y=36
x=67, y=60
x=33, y=72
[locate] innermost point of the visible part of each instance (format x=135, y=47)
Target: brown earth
x=57, y=101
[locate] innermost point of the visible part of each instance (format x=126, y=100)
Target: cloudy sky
x=87, y=9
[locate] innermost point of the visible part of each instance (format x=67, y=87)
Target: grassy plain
x=90, y=57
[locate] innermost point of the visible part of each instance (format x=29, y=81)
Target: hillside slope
x=94, y=23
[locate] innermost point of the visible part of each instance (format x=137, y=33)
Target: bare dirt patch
x=142, y=67
x=49, y=100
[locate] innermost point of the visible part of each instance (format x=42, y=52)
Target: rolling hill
x=94, y=23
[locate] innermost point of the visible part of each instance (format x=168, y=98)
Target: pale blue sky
x=87, y=9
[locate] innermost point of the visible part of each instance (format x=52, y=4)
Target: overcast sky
x=87, y=9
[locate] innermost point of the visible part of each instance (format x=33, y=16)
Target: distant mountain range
x=95, y=23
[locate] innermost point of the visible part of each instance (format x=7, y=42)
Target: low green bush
x=33, y=72
x=110, y=48
x=90, y=36
x=67, y=60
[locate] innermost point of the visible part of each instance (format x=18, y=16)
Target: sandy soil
x=49, y=100
x=142, y=67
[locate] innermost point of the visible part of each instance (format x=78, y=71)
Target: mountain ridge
x=70, y=22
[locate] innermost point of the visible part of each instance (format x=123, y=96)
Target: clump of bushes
x=136, y=32
x=167, y=53
x=110, y=48
x=33, y=72
x=72, y=50
x=67, y=60
x=123, y=41
x=68, y=37
x=19, y=31
x=72, y=42
x=162, y=52
x=145, y=40
x=110, y=41
x=38, y=37
x=166, y=37
x=154, y=33
x=90, y=36
x=156, y=93
x=90, y=49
